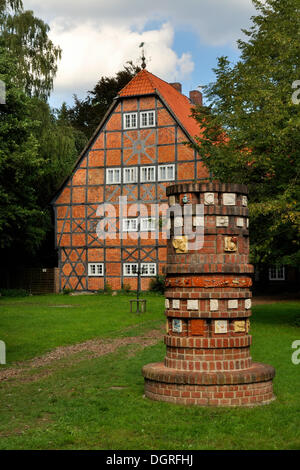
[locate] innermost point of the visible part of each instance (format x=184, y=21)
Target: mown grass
x=75, y=407
x=31, y=326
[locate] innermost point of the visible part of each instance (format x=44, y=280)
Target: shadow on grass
x=280, y=313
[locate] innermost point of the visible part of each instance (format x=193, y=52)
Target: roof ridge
x=150, y=78
x=169, y=84
x=146, y=83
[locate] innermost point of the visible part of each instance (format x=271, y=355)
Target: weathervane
x=143, y=56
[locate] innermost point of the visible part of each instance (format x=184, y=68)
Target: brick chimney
x=176, y=85
x=196, y=97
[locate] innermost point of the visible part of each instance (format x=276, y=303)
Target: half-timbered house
x=139, y=148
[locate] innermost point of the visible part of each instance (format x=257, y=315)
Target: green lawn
x=97, y=403
x=31, y=326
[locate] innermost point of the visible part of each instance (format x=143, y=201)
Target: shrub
x=107, y=288
x=126, y=288
x=67, y=291
x=14, y=292
x=157, y=284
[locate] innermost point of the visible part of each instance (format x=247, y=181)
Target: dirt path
x=261, y=300
x=93, y=348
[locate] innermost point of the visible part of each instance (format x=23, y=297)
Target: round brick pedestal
x=208, y=303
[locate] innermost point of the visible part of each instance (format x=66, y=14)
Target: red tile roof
x=145, y=83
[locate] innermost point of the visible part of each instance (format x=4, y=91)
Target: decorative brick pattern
x=208, y=360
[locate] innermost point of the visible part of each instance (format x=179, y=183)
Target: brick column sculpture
x=208, y=305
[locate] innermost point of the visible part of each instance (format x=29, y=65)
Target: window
x=113, y=176
x=166, y=172
x=147, y=173
x=130, y=175
x=130, y=269
x=130, y=121
x=95, y=269
x=277, y=273
x=148, y=224
x=130, y=225
x=148, y=269
x=147, y=119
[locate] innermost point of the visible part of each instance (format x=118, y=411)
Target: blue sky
x=182, y=39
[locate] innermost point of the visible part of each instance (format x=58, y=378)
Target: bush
x=14, y=292
x=126, y=288
x=107, y=288
x=67, y=291
x=157, y=284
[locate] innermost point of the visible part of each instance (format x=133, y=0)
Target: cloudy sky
x=183, y=38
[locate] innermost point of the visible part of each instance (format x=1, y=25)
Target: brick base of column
x=249, y=387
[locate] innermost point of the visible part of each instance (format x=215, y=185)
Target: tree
x=250, y=133
x=22, y=221
x=38, y=148
x=87, y=114
x=59, y=147
x=25, y=37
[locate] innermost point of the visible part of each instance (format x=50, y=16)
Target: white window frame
x=166, y=167
x=147, y=114
x=277, y=273
x=148, y=266
x=130, y=225
x=95, y=269
x=148, y=170
x=148, y=224
x=132, y=171
x=128, y=119
x=131, y=273
x=115, y=179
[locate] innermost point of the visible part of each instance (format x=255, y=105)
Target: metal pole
x=138, y=289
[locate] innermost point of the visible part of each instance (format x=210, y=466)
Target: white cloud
x=90, y=52
x=99, y=36
x=217, y=22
